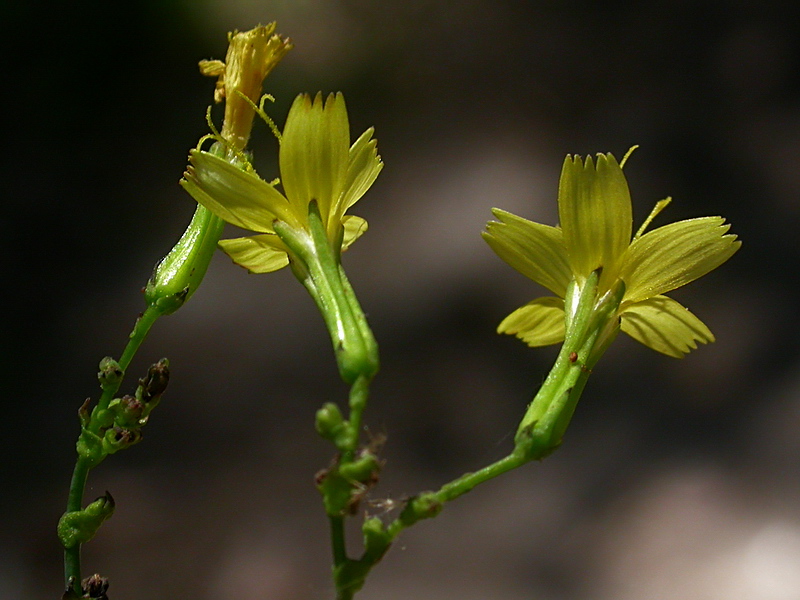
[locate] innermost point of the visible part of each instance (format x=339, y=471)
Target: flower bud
x=128, y=412
x=110, y=373
x=364, y=469
x=79, y=526
x=177, y=276
x=329, y=421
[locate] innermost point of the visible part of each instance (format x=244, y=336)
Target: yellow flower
x=317, y=163
x=594, y=208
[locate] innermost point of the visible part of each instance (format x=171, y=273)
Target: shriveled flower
x=595, y=237
x=317, y=163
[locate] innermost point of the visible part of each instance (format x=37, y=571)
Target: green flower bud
x=329, y=422
x=128, y=412
x=376, y=539
x=110, y=373
x=181, y=271
x=363, y=470
x=423, y=506
x=80, y=526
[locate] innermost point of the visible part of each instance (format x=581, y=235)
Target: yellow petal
x=363, y=167
x=665, y=325
x=538, y=323
x=675, y=254
x=314, y=152
x=238, y=197
x=258, y=254
x=594, y=206
x=354, y=228
x=535, y=250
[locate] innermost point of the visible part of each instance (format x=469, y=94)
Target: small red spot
x=573, y=356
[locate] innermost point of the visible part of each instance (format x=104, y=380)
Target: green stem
x=137, y=336
x=338, y=540
x=345, y=593
x=72, y=556
x=359, y=393
x=591, y=323
x=317, y=267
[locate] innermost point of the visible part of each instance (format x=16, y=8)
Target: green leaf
x=594, y=207
x=258, y=254
x=538, y=323
x=238, y=197
x=674, y=255
x=535, y=250
x=665, y=325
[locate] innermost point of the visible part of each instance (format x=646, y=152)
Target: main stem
x=72, y=556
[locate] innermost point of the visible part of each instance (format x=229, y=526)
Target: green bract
x=594, y=208
x=317, y=163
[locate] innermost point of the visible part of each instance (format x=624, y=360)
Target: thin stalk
x=72, y=556
x=590, y=326
x=338, y=544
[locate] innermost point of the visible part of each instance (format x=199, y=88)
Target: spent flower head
x=595, y=237
x=251, y=57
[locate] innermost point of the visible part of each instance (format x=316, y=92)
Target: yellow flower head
x=317, y=163
x=594, y=208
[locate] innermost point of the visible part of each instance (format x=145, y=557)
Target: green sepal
x=80, y=526
x=118, y=438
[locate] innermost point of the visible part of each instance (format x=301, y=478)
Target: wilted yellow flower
x=317, y=163
x=594, y=208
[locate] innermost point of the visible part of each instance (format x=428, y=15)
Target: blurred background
x=677, y=479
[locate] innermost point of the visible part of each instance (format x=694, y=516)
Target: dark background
x=677, y=479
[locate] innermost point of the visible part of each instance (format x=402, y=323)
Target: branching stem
x=72, y=556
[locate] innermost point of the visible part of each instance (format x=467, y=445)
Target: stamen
x=259, y=110
x=627, y=154
x=660, y=205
